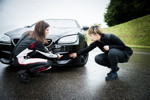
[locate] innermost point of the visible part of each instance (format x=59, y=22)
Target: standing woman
x=114, y=51
x=30, y=54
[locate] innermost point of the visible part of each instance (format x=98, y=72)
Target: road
x=82, y=83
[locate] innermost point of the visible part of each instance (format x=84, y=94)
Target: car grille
x=50, y=42
x=15, y=41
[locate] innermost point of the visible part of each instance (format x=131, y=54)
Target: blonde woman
x=114, y=51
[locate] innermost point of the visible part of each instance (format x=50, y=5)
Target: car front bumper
x=6, y=54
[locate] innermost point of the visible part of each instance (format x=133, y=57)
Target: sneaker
x=112, y=76
x=23, y=76
x=117, y=69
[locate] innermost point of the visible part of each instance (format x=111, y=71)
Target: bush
x=120, y=11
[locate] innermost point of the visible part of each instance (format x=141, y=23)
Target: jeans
x=111, y=58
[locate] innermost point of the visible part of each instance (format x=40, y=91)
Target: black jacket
x=111, y=40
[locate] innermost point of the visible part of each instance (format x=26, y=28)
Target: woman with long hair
x=30, y=54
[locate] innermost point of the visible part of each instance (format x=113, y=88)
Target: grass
x=135, y=33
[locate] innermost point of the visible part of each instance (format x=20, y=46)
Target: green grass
x=135, y=33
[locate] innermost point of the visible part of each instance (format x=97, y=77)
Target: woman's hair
x=39, y=31
x=95, y=30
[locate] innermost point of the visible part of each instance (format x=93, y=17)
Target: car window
x=62, y=23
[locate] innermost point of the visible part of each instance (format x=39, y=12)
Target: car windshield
x=62, y=23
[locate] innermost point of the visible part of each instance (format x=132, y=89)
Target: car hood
x=16, y=33
x=55, y=33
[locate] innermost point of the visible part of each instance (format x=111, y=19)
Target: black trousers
x=111, y=58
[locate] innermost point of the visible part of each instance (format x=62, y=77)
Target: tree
x=119, y=11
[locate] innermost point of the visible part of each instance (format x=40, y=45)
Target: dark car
x=65, y=36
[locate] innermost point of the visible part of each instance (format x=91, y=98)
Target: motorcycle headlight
x=68, y=39
x=5, y=38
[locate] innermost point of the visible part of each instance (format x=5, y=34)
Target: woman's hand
x=73, y=55
x=59, y=56
x=106, y=47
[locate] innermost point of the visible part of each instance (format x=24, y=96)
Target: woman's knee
x=98, y=59
x=49, y=63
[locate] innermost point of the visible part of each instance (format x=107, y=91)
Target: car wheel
x=82, y=58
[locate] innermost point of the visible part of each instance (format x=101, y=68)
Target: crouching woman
x=30, y=55
x=113, y=48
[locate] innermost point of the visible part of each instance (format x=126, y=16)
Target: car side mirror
x=85, y=28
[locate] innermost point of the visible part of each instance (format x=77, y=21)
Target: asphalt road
x=82, y=83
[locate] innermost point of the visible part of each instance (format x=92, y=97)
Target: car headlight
x=5, y=38
x=68, y=39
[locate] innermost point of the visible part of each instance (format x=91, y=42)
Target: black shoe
x=117, y=69
x=23, y=76
x=112, y=76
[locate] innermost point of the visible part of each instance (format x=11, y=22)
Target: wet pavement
x=82, y=83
